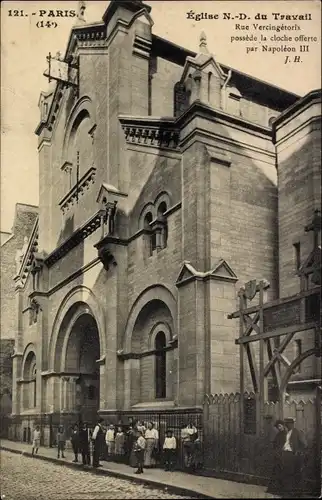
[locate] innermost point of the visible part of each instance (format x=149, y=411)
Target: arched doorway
x=81, y=380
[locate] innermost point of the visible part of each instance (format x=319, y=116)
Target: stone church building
x=158, y=199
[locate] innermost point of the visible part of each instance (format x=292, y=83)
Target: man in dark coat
x=277, y=443
x=84, y=444
x=292, y=459
x=98, y=440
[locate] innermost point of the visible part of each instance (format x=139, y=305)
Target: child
x=139, y=451
x=36, y=440
x=169, y=449
x=61, y=440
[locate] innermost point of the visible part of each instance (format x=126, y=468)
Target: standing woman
x=152, y=439
x=119, y=444
x=133, y=455
x=110, y=441
x=75, y=441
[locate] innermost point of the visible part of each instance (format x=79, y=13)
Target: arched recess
x=29, y=374
x=147, y=209
x=155, y=292
x=80, y=300
x=82, y=110
x=162, y=197
x=30, y=350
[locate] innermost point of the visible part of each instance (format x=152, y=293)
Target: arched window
x=209, y=86
x=34, y=387
x=151, y=239
x=164, y=233
x=160, y=366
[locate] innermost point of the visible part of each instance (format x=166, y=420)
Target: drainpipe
x=224, y=88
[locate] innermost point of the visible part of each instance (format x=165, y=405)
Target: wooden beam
x=278, y=332
x=272, y=366
x=251, y=323
x=273, y=303
x=252, y=365
x=280, y=349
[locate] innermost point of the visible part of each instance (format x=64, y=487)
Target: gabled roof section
x=200, y=62
x=251, y=86
x=144, y=16
x=131, y=5
x=221, y=271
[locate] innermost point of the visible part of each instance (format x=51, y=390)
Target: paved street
x=31, y=479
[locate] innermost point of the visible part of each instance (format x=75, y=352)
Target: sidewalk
x=179, y=483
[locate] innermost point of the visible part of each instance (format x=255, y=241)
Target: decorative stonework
x=77, y=190
x=26, y=262
x=141, y=46
x=150, y=133
x=220, y=272
x=91, y=36
x=79, y=235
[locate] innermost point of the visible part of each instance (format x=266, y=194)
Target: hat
x=289, y=419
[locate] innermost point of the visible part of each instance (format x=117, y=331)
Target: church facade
x=158, y=199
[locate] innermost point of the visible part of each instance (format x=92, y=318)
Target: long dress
x=119, y=445
x=150, y=447
x=133, y=458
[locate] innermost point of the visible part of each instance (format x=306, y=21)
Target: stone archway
x=76, y=356
x=79, y=366
x=145, y=360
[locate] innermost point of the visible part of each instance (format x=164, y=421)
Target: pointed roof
x=221, y=271
x=202, y=59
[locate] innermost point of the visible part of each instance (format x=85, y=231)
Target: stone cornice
x=150, y=131
x=79, y=235
x=138, y=355
x=93, y=35
x=199, y=109
x=300, y=105
x=84, y=183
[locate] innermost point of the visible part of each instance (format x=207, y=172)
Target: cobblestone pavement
x=26, y=478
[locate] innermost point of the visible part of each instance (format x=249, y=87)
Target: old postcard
x=160, y=249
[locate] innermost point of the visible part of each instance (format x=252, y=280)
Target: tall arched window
x=164, y=233
x=160, y=366
x=151, y=237
x=34, y=387
x=209, y=86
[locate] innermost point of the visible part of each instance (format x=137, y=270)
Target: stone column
x=72, y=393
x=64, y=393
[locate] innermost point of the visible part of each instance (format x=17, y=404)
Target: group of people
x=136, y=444
x=288, y=446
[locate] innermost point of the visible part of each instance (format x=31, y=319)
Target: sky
x=24, y=48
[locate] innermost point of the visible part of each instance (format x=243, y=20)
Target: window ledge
x=165, y=403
